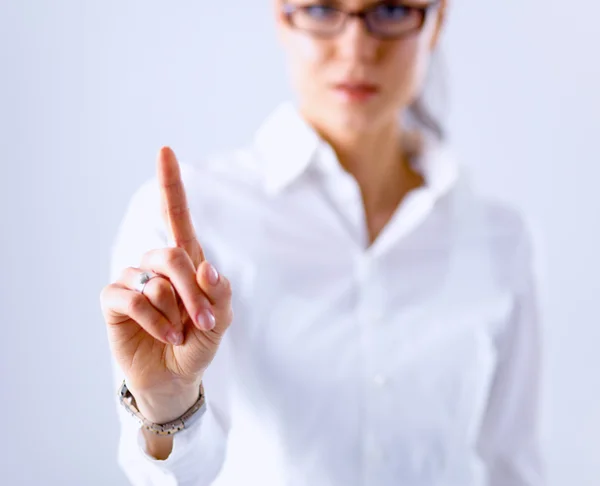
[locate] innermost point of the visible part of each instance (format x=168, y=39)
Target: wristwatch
x=184, y=422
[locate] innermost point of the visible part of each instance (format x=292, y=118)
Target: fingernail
x=213, y=275
x=175, y=338
x=206, y=320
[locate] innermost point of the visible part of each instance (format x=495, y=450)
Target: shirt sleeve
x=198, y=452
x=510, y=442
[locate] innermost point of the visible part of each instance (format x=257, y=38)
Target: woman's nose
x=356, y=43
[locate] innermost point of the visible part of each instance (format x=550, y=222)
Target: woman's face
x=348, y=78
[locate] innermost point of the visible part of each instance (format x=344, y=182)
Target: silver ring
x=143, y=279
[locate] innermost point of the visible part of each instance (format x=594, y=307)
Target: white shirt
x=413, y=361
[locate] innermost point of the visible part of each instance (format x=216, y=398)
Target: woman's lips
x=356, y=92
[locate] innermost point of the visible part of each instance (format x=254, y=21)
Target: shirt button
x=376, y=454
x=380, y=380
x=377, y=317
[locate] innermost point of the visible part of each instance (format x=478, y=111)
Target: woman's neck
x=378, y=159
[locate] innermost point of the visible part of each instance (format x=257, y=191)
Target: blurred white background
x=91, y=89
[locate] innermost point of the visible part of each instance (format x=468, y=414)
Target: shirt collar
x=437, y=165
x=287, y=146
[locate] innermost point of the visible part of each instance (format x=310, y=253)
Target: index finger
x=175, y=209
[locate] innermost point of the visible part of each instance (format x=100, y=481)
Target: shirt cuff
x=183, y=442
x=197, y=456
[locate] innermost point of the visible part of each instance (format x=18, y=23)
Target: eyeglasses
x=384, y=20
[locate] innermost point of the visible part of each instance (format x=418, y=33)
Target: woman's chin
x=356, y=118
x=335, y=113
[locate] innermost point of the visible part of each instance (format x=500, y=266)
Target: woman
x=385, y=329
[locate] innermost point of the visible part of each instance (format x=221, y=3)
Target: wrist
x=161, y=407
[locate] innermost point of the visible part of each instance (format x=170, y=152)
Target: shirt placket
x=370, y=315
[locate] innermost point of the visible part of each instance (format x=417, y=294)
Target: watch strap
x=184, y=422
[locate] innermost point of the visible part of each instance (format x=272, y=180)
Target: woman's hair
x=421, y=113
x=426, y=120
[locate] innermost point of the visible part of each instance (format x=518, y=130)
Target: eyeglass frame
x=361, y=14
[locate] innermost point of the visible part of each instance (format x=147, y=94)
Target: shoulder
x=504, y=231
x=212, y=177
x=487, y=217
x=219, y=189
x=507, y=224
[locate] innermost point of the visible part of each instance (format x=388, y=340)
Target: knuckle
x=136, y=303
x=106, y=294
x=174, y=256
x=183, y=242
x=178, y=206
x=179, y=209
x=125, y=273
x=163, y=290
